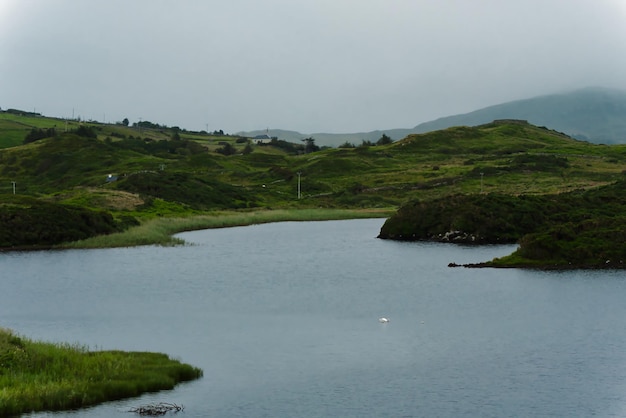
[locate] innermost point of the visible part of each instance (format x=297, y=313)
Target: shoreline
x=542, y=267
x=76, y=377
x=161, y=230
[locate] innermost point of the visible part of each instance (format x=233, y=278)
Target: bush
x=37, y=134
x=346, y=145
x=85, y=131
x=226, y=149
x=26, y=222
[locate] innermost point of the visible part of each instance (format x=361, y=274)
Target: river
x=283, y=319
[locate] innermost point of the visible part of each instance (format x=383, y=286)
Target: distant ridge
x=593, y=114
x=332, y=140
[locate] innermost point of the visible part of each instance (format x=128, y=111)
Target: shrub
x=346, y=145
x=36, y=134
x=85, y=131
x=28, y=222
x=226, y=149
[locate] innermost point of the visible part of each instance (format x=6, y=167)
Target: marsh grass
x=160, y=231
x=37, y=376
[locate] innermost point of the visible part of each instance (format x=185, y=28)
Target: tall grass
x=37, y=376
x=159, y=231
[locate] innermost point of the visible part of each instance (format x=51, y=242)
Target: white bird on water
x=383, y=320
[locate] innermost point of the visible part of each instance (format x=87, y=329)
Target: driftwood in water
x=161, y=408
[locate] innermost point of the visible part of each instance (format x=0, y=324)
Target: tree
x=125, y=122
x=37, y=134
x=384, y=140
x=309, y=145
x=227, y=149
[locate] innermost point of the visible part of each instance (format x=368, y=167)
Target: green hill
x=593, y=114
x=139, y=173
x=596, y=115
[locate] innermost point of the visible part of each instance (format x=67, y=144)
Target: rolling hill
x=593, y=114
x=66, y=180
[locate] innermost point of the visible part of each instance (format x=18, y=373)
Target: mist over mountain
x=593, y=114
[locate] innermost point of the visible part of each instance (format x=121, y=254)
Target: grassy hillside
x=142, y=173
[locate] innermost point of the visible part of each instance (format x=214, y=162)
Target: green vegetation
x=29, y=222
x=469, y=219
x=582, y=229
x=72, y=184
x=37, y=376
x=160, y=230
x=594, y=114
x=133, y=185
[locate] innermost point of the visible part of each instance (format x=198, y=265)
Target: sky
x=334, y=66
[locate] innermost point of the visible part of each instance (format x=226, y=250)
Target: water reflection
x=283, y=318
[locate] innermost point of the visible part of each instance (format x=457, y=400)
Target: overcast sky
x=305, y=65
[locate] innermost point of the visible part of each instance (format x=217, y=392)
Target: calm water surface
x=283, y=319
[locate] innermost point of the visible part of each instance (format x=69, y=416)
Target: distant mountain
x=596, y=115
x=332, y=140
x=592, y=114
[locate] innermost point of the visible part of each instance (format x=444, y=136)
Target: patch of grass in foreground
x=159, y=231
x=37, y=376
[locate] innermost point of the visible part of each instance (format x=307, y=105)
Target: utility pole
x=13, y=187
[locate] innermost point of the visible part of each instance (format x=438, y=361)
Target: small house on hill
x=262, y=139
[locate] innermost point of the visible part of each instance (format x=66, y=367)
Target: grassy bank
x=159, y=231
x=37, y=376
